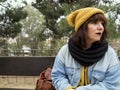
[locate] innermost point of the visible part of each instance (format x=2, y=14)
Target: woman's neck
x=89, y=44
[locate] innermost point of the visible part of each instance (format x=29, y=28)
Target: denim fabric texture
x=103, y=75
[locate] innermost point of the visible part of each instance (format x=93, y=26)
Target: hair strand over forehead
x=98, y=17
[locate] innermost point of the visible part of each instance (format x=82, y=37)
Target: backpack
x=44, y=82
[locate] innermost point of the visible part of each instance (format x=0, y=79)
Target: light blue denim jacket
x=103, y=75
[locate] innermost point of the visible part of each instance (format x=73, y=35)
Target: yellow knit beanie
x=78, y=17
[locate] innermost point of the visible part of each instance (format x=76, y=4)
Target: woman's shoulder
x=109, y=60
x=111, y=57
x=63, y=50
x=111, y=51
x=63, y=53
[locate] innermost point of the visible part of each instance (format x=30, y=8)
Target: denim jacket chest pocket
x=72, y=75
x=97, y=76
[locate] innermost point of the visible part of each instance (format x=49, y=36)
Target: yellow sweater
x=84, y=78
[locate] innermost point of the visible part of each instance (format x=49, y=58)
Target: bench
x=24, y=66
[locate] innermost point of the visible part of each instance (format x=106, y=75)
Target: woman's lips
x=99, y=33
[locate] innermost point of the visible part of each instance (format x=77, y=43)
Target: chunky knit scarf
x=89, y=56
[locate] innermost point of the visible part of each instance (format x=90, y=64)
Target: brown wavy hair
x=79, y=37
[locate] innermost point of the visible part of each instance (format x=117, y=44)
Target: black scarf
x=89, y=56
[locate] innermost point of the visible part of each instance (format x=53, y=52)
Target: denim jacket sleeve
x=59, y=78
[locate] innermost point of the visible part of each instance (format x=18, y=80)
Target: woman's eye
x=102, y=23
x=93, y=22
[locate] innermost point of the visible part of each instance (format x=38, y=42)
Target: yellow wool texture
x=78, y=17
x=70, y=87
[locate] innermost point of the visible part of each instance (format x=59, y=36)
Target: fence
x=30, y=52
x=33, y=52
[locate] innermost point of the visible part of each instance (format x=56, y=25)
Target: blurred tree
x=9, y=20
x=33, y=29
x=54, y=9
x=51, y=11
x=112, y=9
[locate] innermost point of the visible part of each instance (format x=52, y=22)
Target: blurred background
x=39, y=27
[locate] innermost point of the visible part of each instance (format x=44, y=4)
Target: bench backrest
x=24, y=66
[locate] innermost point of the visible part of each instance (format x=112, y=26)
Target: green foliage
x=51, y=19
x=10, y=26
x=111, y=28
x=112, y=14
x=2, y=42
x=53, y=10
x=33, y=27
x=2, y=0
x=15, y=15
x=63, y=28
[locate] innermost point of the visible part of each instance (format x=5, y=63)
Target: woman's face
x=94, y=31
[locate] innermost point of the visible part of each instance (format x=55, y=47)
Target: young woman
x=87, y=62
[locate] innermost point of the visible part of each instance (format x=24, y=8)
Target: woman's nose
x=100, y=26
